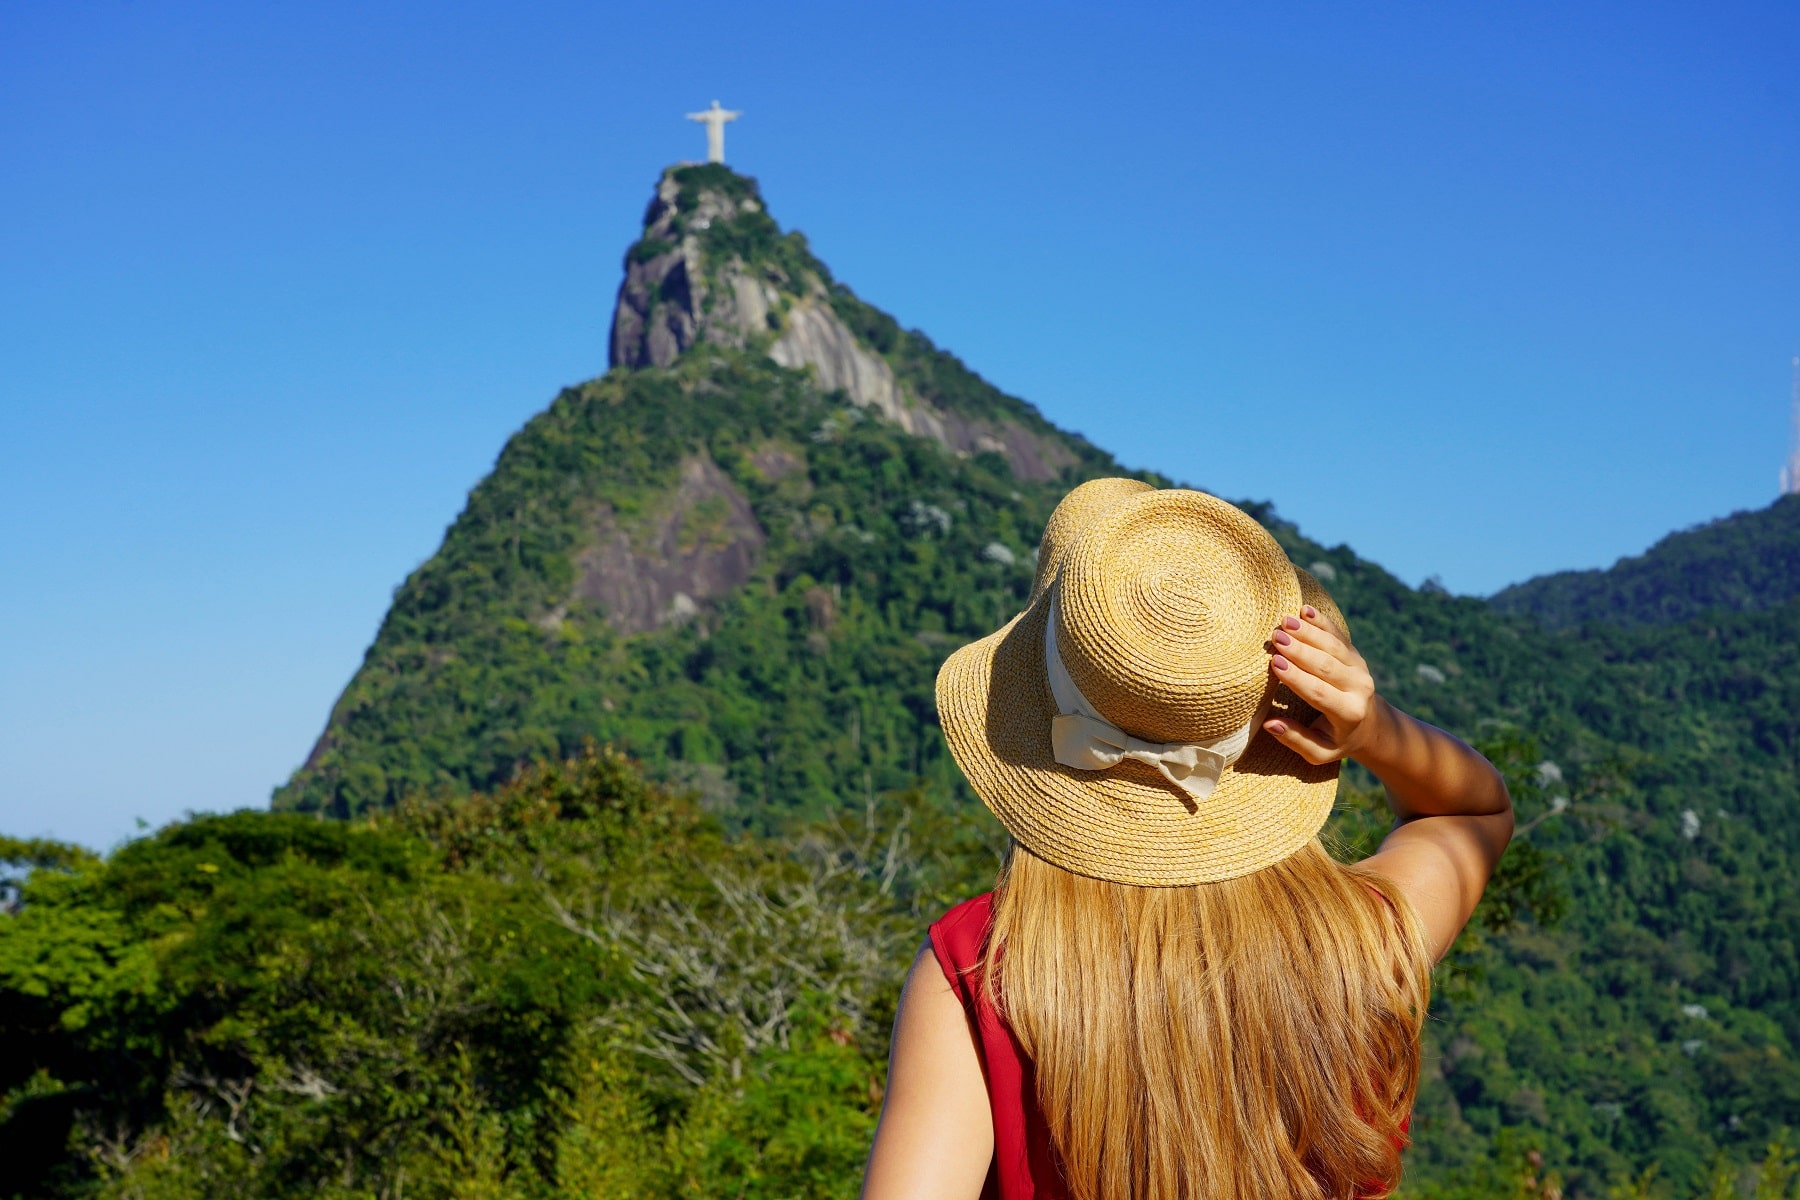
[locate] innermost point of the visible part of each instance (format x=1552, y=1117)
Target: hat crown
x=1166, y=600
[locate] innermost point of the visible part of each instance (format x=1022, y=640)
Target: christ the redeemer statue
x=714, y=119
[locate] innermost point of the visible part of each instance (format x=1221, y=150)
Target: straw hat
x=1115, y=726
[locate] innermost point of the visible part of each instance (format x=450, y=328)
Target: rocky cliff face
x=668, y=301
x=713, y=267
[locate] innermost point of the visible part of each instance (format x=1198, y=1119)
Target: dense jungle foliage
x=670, y=974
x=581, y=985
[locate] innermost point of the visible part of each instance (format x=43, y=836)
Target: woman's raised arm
x=1452, y=815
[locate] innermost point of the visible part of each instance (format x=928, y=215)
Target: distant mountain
x=741, y=554
x=1747, y=562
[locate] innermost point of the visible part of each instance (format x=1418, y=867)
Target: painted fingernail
x=1309, y=612
x=1276, y=727
x=1281, y=664
x=1281, y=638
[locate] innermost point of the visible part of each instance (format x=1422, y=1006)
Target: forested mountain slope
x=739, y=557
x=1747, y=562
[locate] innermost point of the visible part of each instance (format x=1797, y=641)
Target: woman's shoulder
x=957, y=936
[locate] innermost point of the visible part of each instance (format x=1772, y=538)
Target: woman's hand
x=1325, y=671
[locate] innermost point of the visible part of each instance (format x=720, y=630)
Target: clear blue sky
x=1484, y=291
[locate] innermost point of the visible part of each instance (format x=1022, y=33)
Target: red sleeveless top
x=1025, y=1165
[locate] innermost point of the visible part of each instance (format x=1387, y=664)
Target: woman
x=1174, y=991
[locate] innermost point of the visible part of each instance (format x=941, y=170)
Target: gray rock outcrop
x=673, y=298
x=814, y=337
x=699, y=541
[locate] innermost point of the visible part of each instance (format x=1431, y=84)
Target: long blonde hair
x=1256, y=1038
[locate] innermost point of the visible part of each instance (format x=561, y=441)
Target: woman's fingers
x=1314, y=745
x=1330, y=701
x=1311, y=659
x=1309, y=627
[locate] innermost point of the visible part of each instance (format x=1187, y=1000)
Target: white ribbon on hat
x=1087, y=741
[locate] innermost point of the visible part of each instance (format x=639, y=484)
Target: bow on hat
x=1083, y=739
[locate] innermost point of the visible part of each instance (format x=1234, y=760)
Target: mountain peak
x=670, y=300
x=713, y=267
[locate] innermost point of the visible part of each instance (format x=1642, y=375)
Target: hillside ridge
x=1746, y=562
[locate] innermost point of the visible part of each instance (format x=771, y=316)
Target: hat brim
x=1125, y=824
